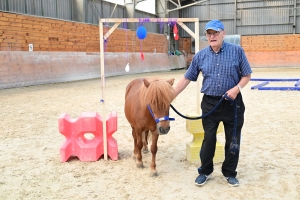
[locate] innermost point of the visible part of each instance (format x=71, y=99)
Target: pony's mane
x=159, y=94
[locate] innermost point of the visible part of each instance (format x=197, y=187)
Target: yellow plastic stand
x=193, y=148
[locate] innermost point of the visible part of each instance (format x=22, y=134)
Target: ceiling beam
x=181, y=7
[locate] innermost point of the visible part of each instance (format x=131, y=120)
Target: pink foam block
x=87, y=149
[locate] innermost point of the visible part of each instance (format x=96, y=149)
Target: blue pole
x=259, y=85
x=279, y=88
x=274, y=79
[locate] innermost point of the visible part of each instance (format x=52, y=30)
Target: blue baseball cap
x=214, y=24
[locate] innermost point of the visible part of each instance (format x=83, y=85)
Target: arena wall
x=67, y=51
x=272, y=50
x=262, y=50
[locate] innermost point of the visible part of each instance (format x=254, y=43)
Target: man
x=225, y=70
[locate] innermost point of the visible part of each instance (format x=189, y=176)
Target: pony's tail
x=147, y=136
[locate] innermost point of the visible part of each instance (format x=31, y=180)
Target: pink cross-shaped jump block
x=87, y=149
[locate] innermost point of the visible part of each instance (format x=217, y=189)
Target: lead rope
x=234, y=147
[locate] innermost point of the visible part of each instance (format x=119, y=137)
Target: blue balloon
x=141, y=32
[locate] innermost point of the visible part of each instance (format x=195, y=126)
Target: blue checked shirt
x=221, y=71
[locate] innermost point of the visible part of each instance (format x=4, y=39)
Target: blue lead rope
x=234, y=147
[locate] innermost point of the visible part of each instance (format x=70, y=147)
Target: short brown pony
x=147, y=104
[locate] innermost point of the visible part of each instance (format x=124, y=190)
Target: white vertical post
x=103, y=89
x=197, y=44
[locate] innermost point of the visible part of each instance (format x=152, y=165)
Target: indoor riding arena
x=62, y=75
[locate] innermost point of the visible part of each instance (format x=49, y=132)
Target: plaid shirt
x=221, y=71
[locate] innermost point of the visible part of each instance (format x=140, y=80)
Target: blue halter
x=161, y=118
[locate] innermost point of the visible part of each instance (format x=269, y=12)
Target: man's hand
x=233, y=92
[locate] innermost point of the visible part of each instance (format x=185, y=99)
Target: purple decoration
x=105, y=44
x=125, y=24
x=125, y=27
x=161, y=24
x=105, y=40
x=172, y=22
x=143, y=20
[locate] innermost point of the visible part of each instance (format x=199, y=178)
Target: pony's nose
x=164, y=130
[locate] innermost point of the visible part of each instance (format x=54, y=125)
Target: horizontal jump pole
x=297, y=83
x=279, y=88
x=259, y=85
x=275, y=79
x=145, y=20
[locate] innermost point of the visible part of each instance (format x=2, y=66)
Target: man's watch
x=240, y=88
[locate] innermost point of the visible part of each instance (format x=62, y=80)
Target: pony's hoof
x=153, y=173
x=139, y=165
x=145, y=150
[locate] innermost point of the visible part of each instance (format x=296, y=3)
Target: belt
x=215, y=97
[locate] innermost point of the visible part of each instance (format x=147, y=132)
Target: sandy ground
x=30, y=142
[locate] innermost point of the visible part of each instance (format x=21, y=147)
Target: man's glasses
x=212, y=34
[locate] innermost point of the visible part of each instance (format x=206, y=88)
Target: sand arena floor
x=30, y=142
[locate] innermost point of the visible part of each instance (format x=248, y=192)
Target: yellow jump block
x=192, y=153
x=193, y=148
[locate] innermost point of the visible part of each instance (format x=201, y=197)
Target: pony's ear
x=171, y=81
x=146, y=82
